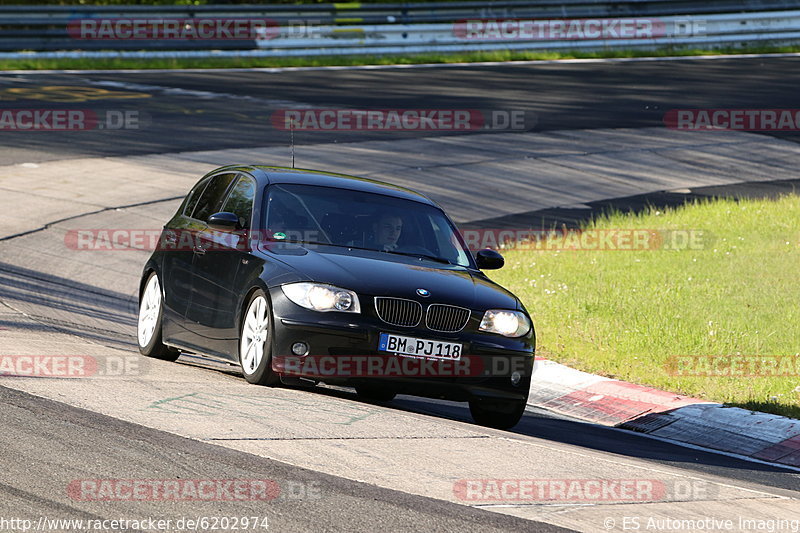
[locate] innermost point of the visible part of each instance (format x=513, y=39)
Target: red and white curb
x=665, y=415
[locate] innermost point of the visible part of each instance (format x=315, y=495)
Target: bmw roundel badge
x=424, y=292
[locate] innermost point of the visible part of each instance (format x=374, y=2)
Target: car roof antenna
x=291, y=134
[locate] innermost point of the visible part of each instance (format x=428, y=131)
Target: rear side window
x=211, y=200
x=194, y=196
x=240, y=200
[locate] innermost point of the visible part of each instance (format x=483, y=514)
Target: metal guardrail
x=378, y=29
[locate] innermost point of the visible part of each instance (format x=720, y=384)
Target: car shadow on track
x=539, y=424
x=53, y=302
x=546, y=426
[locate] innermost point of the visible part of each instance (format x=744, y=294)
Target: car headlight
x=507, y=323
x=321, y=297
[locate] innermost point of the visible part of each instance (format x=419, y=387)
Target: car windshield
x=342, y=217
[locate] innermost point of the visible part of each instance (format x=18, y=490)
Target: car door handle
x=199, y=249
x=170, y=238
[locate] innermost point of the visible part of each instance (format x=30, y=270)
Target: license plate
x=419, y=347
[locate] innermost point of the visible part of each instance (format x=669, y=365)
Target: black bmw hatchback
x=301, y=277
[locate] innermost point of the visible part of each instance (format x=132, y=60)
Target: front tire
x=255, y=342
x=496, y=414
x=148, y=328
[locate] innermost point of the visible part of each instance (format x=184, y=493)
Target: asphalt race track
x=592, y=132
x=233, y=109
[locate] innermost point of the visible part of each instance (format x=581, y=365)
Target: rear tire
x=148, y=328
x=496, y=413
x=375, y=393
x=255, y=342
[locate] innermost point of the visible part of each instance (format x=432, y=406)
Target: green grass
x=622, y=314
x=253, y=62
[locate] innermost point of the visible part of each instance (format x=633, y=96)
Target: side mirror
x=489, y=259
x=223, y=221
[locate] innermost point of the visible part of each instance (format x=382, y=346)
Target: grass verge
x=627, y=314
x=255, y=62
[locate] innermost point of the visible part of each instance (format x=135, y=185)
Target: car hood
x=372, y=273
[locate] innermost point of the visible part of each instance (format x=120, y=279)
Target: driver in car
x=387, y=231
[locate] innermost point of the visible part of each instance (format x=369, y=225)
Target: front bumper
x=343, y=350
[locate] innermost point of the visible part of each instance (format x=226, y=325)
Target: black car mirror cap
x=223, y=221
x=489, y=259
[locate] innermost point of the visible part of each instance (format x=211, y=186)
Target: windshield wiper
x=315, y=243
x=407, y=254
x=423, y=256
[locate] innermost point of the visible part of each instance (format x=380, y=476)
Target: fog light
x=516, y=377
x=300, y=348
